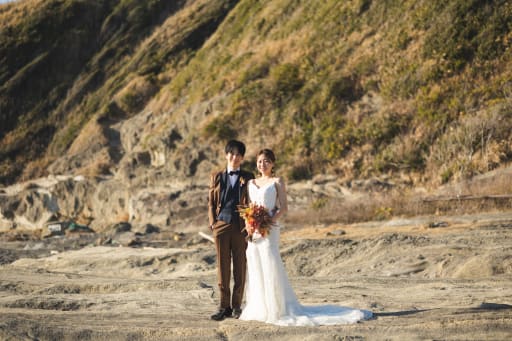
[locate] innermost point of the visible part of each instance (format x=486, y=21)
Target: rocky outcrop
x=100, y=203
x=32, y=205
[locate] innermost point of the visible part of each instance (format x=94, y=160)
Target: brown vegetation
x=359, y=89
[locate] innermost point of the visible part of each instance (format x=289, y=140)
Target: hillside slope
x=356, y=88
x=141, y=96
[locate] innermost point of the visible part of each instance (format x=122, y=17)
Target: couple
x=269, y=296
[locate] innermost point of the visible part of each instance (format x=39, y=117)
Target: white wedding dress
x=269, y=296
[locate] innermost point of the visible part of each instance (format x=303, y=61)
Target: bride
x=269, y=296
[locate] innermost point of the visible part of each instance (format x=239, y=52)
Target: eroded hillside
x=357, y=88
x=139, y=97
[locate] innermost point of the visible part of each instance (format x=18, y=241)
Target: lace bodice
x=265, y=195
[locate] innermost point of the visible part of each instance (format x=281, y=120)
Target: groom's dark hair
x=233, y=145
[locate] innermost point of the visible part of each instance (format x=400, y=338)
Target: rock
x=336, y=233
x=122, y=227
x=103, y=240
x=323, y=179
x=135, y=242
x=371, y=185
x=437, y=224
x=146, y=229
x=149, y=228
x=126, y=239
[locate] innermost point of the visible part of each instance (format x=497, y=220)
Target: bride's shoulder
x=279, y=181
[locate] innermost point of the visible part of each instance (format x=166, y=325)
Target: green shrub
x=401, y=155
x=383, y=213
x=446, y=175
x=429, y=102
x=405, y=82
x=286, y=80
x=252, y=102
x=220, y=129
x=329, y=138
x=468, y=29
x=300, y=172
x=254, y=72
x=402, y=40
x=345, y=88
x=319, y=203
x=367, y=65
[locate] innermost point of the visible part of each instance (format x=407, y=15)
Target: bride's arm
x=282, y=207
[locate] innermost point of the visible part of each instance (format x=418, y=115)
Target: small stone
x=336, y=233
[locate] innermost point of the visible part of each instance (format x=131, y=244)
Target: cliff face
x=72, y=69
x=138, y=98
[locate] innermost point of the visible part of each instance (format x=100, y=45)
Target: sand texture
x=448, y=278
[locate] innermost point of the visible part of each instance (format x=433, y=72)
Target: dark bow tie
x=234, y=172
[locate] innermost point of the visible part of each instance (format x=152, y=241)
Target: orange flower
x=257, y=219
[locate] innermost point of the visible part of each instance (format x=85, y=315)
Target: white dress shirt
x=233, y=178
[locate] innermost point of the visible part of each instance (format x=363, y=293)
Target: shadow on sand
x=482, y=307
x=399, y=313
x=493, y=306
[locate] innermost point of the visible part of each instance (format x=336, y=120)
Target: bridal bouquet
x=257, y=219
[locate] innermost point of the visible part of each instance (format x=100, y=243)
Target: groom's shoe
x=222, y=314
x=237, y=312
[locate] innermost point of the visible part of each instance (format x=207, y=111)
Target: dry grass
x=357, y=66
x=100, y=166
x=471, y=147
x=365, y=207
x=385, y=207
x=91, y=134
x=481, y=194
x=36, y=168
x=13, y=14
x=135, y=95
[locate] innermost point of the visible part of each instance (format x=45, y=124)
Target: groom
x=228, y=188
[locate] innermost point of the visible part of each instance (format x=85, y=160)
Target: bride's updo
x=268, y=154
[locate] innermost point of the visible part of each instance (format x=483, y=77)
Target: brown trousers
x=230, y=244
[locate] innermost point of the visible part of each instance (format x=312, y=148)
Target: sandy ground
x=427, y=278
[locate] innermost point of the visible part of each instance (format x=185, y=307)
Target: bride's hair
x=269, y=154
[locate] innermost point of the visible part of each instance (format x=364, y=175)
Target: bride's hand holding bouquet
x=257, y=219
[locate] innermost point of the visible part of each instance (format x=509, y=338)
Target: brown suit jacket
x=218, y=182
